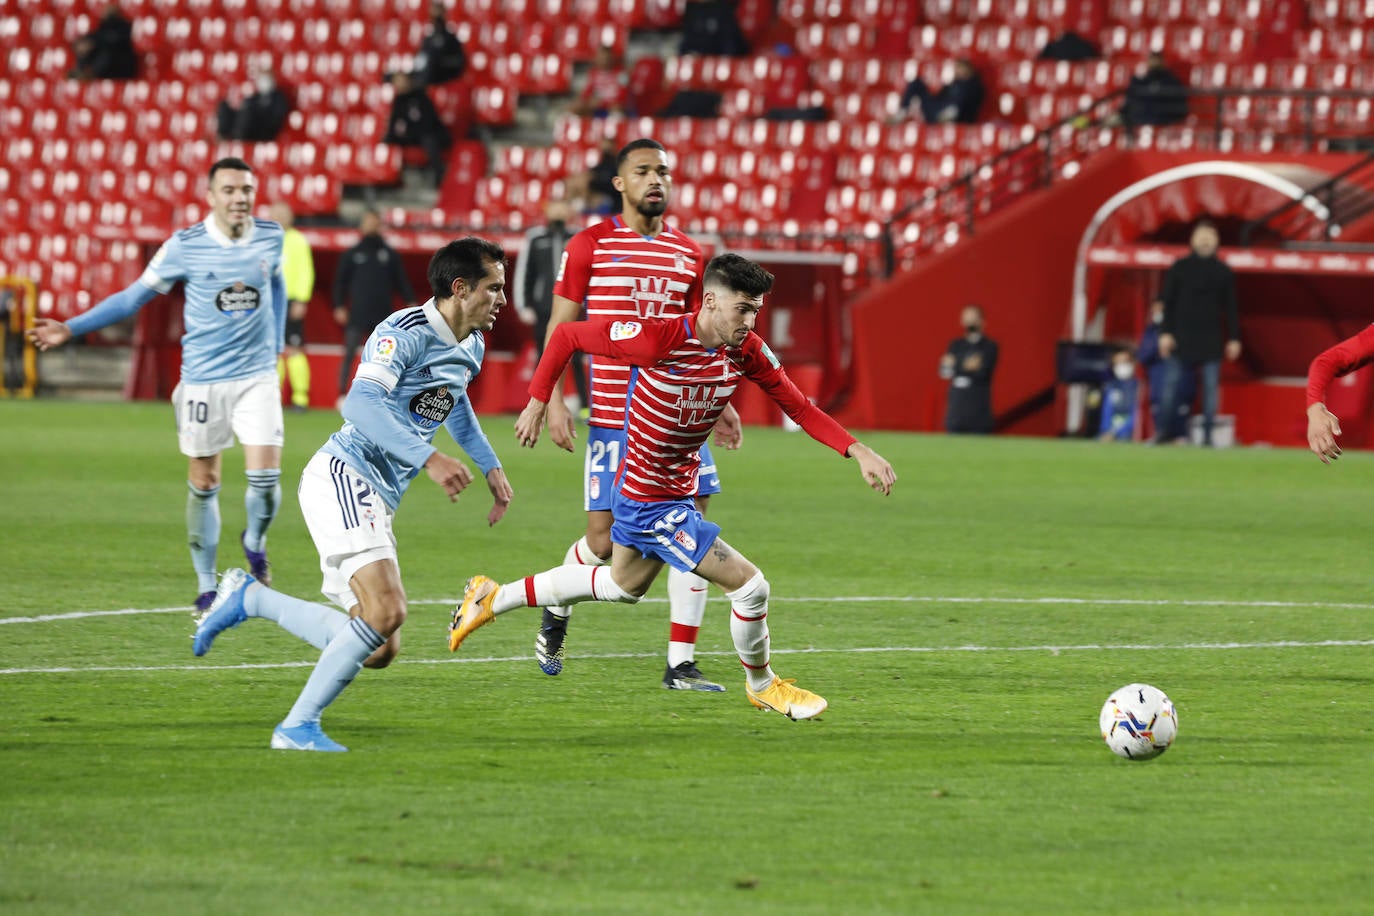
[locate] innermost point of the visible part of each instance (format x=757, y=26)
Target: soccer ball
x=1138, y=722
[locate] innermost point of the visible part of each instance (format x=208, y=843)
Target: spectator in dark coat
x=369, y=278
x=1155, y=97
x=959, y=101
x=441, y=57
x=415, y=122
x=107, y=51
x=260, y=116
x=968, y=364
x=536, y=270
x=710, y=27
x=1199, y=294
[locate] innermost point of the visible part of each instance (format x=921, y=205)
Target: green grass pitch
x=965, y=630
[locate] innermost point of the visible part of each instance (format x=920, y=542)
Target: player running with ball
x=685, y=371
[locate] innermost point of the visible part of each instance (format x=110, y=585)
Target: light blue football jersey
x=232, y=324
x=423, y=372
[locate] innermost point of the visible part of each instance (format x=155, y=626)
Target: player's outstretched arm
x=501, y=494
x=47, y=334
x=877, y=473
x=530, y=422
x=449, y=473
x=1322, y=430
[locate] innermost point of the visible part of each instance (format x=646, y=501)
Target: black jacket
x=1198, y=293
x=536, y=269
x=414, y=117
x=370, y=274
x=970, y=390
x=112, y=55
x=442, y=57
x=1156, y=97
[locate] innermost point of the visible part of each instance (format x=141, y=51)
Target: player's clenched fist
x=449, y=473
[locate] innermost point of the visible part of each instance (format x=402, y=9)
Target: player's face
x=231, y=200
x=645, y=181
x=732, y=315
x=482, y=303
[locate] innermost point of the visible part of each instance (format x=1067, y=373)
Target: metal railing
x=1226, y=120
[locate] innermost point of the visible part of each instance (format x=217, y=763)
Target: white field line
x=846, y=599
x=1052, y=650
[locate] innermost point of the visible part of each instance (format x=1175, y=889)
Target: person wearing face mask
x=536, y=268
x=261, y=115
x=1198, y=295
x=968, y=364
x=1119, y=398
x=1158, y=369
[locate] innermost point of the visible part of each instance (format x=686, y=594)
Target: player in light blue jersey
x=235, y=314
x=413, y=379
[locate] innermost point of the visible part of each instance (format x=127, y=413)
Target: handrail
x=955, y=205
x=1327, y=188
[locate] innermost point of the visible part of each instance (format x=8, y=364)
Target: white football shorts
x=210, y=416
x=348, y=521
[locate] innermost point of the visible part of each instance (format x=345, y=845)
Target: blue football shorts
x=605, y=451
x=673, y=531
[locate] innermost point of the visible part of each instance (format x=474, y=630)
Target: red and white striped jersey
x=622, y=275
x=677, y=390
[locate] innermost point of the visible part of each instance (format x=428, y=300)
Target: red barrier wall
x=1019, y=268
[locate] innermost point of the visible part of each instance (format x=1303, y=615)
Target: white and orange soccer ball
x=1138, y=722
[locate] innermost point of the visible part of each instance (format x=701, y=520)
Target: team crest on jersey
x=685, y=540
x=384, y=350
x=625, y=330
x=432, y=407
x=562, y=265
x=238, y=300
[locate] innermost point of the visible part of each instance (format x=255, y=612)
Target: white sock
x=579, y=554
x=687, y=607
x=749, y=629
x=561, y=585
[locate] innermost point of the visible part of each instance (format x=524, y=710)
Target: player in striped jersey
x=235, y=315
x=634, y=266
x=1345, y=357
x=413, y=379
x=684, y=372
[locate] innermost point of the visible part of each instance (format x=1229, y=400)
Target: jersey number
x=197, y=411
x=605, y=456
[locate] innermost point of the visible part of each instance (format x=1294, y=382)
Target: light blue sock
x=317, y=624
x=339, y=663
x=202, y=532
x=261, y=499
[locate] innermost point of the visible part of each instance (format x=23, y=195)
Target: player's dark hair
x=738, y=274
x=230, y=162
x=466, y=259
x=1205, y=224
x=641, y=143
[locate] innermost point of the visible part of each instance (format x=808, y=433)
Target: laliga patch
x=384, y=351
x=562, y=265
x=625, y=330
x=238, y=300
x=685, y=541
x=159, y=257
x=767, y=352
